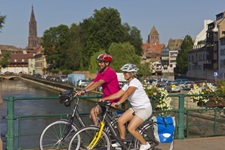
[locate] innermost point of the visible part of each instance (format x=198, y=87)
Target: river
x=21, y=88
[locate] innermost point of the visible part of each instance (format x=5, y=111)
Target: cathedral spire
x=33, y=40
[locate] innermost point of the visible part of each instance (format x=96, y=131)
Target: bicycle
x=57, y=135
x=97, y=137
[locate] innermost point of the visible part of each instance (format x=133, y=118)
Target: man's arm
x=91, y=86
x=94, y=85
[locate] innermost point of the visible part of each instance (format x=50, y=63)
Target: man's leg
x=95, y=111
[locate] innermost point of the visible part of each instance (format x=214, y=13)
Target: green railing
x=184, y=119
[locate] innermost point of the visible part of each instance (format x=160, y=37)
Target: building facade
x=206, y=62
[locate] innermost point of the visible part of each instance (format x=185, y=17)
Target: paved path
x=207, y=143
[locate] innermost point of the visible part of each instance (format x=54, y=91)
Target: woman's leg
x=132, y=128
x=124, y=118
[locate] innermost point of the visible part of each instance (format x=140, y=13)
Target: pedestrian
x=107, y=79
x=140, y=110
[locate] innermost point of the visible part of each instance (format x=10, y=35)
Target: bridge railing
x=190, y=122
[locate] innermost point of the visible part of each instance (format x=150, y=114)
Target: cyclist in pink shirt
x=106, y=78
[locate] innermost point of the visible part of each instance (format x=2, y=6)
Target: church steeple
x=153, y=37
x=33, y=40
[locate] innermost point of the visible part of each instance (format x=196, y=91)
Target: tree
x=4, y=60
x=182, y=58
x=74, y=52
x=123, y=53
x=2, y=21
x=55, y=42
x=133, y=35
x=100, y=30
x=144, y=70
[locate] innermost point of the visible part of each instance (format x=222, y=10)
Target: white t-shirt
x=139, y=98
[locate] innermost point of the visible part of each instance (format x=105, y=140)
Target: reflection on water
x=20, y=88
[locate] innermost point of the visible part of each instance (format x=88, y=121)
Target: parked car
x=83, y=83
x=162, y=82
x=152, y=81
x=37, y=75
x=181, y=81
x=173, y=87
x=62, y=78
x=188, y=85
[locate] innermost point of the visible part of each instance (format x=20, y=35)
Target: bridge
x=9, y=77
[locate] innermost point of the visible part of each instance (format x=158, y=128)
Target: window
x=23, y=59
x=15, y=60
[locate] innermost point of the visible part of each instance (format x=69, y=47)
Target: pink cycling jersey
x=111, y=84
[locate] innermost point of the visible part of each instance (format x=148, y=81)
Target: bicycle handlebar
x=66, y=97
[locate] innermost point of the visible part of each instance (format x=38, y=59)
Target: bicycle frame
x=98, y=134
x=107, y=122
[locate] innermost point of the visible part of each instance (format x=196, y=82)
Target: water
x=20, y=88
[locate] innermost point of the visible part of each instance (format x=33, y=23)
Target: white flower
x=161, y=95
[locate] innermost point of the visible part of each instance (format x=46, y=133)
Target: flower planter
x=215, y=104
x=201, y=104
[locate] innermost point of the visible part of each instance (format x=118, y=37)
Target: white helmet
x=129, y=68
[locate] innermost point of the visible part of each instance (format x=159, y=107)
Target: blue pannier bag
x=164, y=127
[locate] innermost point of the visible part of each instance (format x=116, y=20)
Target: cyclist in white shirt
x=140, y=110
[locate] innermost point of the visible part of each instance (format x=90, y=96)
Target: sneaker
x=145, y=146
x=117, y=144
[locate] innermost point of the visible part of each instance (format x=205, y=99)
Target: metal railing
x=189, y=122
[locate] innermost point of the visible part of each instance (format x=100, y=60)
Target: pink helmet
x=105, y=57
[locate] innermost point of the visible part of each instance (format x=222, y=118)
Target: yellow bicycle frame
x=97, y=136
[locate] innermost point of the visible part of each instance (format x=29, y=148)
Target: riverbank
x=57, y=86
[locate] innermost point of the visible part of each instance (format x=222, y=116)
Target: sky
x=172, y=18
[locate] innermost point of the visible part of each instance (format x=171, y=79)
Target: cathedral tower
x=33, y=40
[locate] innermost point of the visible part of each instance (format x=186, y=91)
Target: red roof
x=20, y=58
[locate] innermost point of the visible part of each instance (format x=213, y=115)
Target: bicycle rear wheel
x=57, y=135
x=147, y=133
x=86, y=135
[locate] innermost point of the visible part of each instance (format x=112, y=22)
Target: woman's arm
x=126, y=94
x=114, y=96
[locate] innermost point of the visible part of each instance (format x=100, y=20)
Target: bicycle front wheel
x=57, y=135
x=86, y=136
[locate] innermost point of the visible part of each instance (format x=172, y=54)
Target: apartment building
x=206, y=62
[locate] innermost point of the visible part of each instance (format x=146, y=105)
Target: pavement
x=204, y=143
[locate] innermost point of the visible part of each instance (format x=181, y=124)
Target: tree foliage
x=133, y=35
x=123, y=53
x=55, y=42
x=74, y=48
x=74, y=52
x=182, y=58
x=2, y=21
x=4, y=60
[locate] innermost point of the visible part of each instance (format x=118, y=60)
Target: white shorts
x=143, y=113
